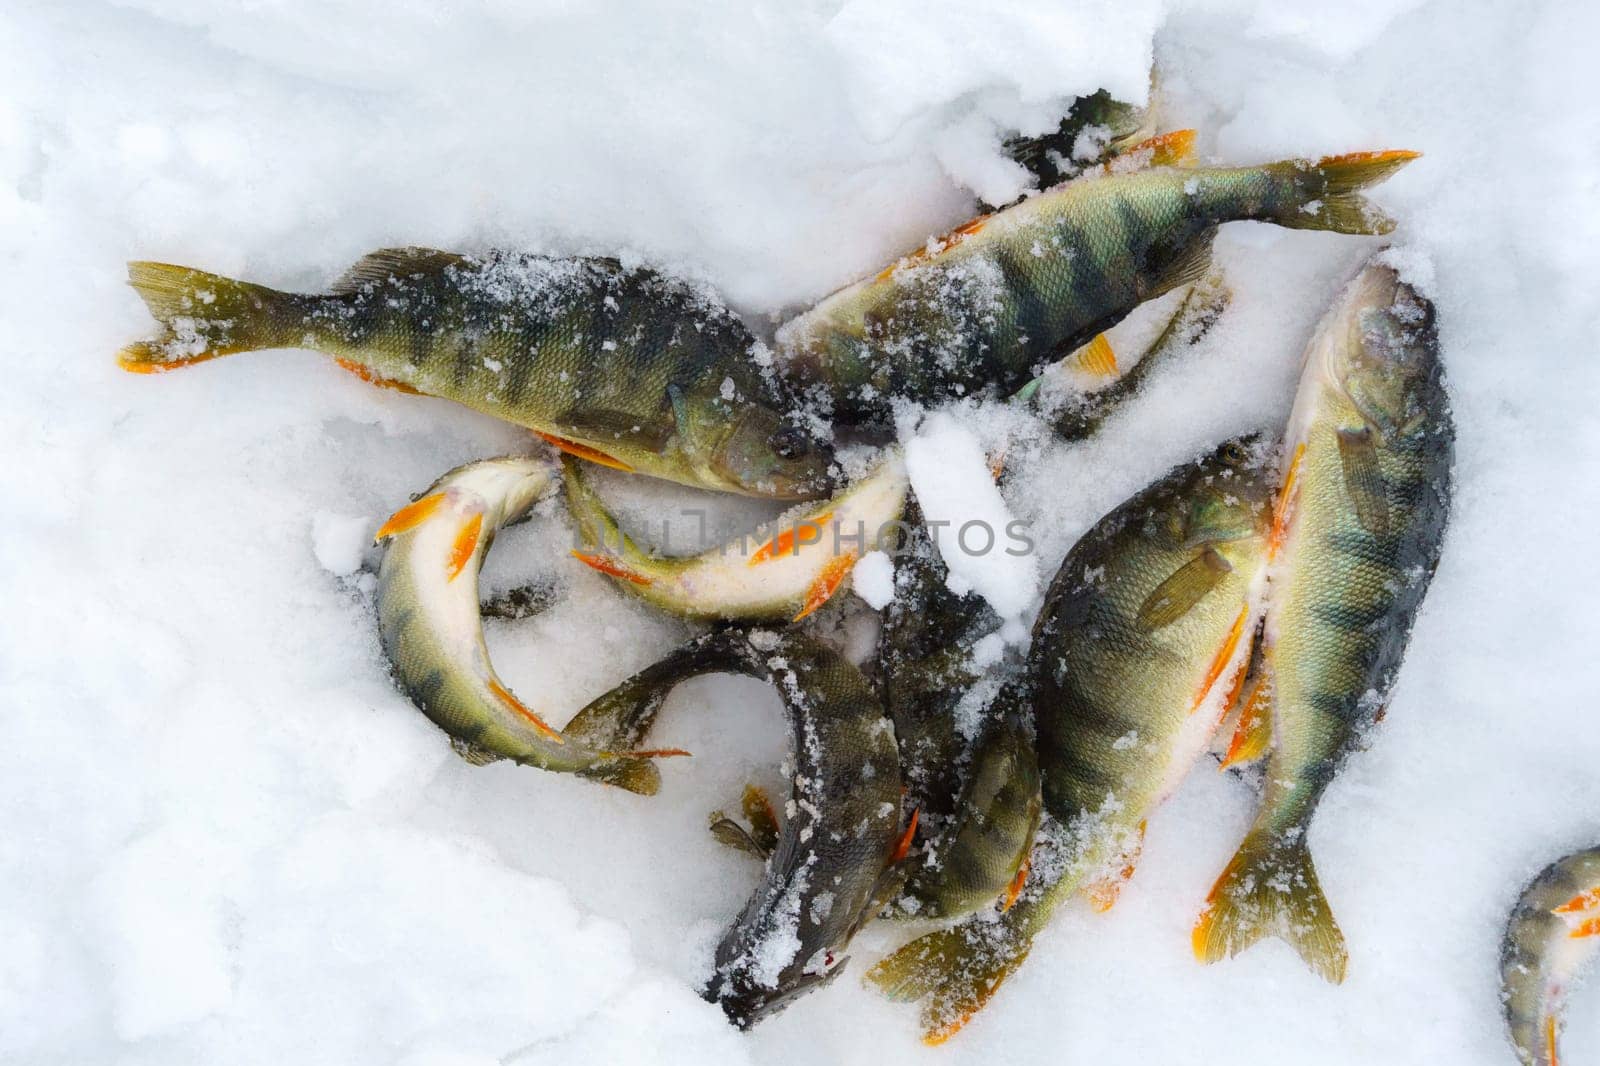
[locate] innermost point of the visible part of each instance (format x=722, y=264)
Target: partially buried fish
x=989, y=304
x=1550, y=937
x=965, y=737
x=824, y=874
x=1094, y=128
x=428, y=622
x=803, y=559
x=1358, y=533
x=1144, y=632
x=622, y=366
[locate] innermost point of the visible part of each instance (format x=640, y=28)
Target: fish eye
x=790, y=442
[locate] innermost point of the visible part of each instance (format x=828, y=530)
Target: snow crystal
x=873, y=579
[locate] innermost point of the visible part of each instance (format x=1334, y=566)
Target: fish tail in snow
x=1270, y=889
x=1326, y=195
x=956, y=971
x=205, y=315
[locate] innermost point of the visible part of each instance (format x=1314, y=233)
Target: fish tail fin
x=1327, y=193
x=1270, y=889
x=633, y=773
x=203, y=316
x=956, y=970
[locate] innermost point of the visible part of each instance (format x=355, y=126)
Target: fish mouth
x=747, y=1004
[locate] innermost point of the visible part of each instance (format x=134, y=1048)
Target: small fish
x=989, y=304
x=1552, y=934
x=1094, y=129
x=825, y=873
x=966, y=743
x=1134, y=657
x=429, y=624
x=623, y=367
x=782, y=577
x=1359, y=527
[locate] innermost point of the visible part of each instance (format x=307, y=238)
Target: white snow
x=872, y=579
x=968, y=518
x=228, y=839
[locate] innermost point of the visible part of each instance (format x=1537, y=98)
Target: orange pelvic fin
x=410, y=516
x=511, y=701
x=1284, y=508
x=466, y=543
x=789, y=541
x=1014, y=889
x=935, y=246
x=1103, y=891
x=1253, y=735
x=1587, y=928
x=1172, y=149
x=607, y=565
x=1223, y=657
x=1583, y=901
x=1096, y=358
x=827, y=583
x=583, y=451
x=904, y=846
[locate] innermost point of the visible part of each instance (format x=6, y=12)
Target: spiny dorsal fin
x=1363, y=481
x=385, y=263
x=1177, y=595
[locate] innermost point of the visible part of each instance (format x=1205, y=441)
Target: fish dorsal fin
x=386, y=263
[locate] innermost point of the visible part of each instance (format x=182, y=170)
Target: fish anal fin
x=380, y=266
x=1182, y=589
x=1095, y=358
x=826, y=583
x=1252, y=737
x=371, y=377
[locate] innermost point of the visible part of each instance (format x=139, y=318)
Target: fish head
x=753, y=450
x=1388, y=366
x=747, y=1001
x=1229, y=500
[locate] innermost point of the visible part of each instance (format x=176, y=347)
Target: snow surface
x=229, y=839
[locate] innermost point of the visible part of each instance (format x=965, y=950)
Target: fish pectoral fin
x=1183, y=588
x=1018, y=880
x=386, y=263
x=731, y=834
x=761, y=815
x=1363, y=479
x=410, y=516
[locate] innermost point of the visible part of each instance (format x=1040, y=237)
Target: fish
x=621, y=366
x=1132, y=663
x=983, y=308
x=432, y=633
x=1079, y=415
x=786, y=574
x=824, y=875
x=1550, y=938
x=1095, y=128
x=965, y=741
x=1359, y=528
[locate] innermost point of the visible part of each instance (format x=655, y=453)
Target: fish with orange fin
x=1144, y=632
x=1551, y=936
x=803, y=558
x=1357, y=532
x=618, y=365
x=827, y=863
x=432, y=633
x=1006, y=294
